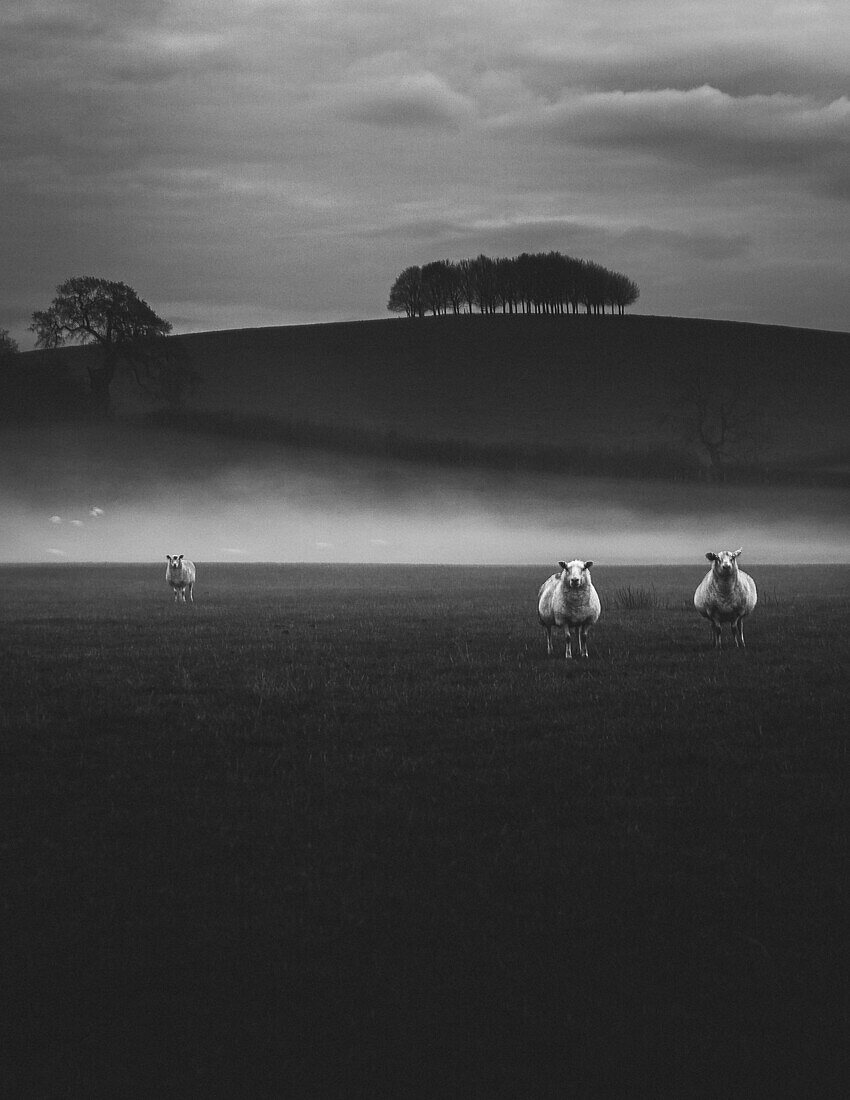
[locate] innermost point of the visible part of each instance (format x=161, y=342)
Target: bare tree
x=723, y=417
x=112, y=317
x=623, y=292
x=530, y=283
x=436, y=286
x=406, y=293
x=8, y=347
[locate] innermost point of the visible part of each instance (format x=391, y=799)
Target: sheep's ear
x=711, y=556
x=588, y=564
x=562, y=564
x=737, y=552
x=180, y=558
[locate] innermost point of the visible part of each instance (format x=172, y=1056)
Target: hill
x=502, y=415
x=523, y=380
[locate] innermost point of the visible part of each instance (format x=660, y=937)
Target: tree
x=624, y=292
x=114, y=318
x=484, y=274
x=8, y=347
x=436, y=285
x=545, y=282
x=467, y=283
x=723, y=417
x=406, y=293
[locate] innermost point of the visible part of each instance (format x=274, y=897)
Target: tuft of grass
x=637, y=598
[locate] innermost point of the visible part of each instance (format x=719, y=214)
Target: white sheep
x=569, y=600
x=180, y=574
x=726, y=594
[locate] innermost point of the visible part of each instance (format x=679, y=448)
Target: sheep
x=180, y=574
x=726, y=594
x=569, y=600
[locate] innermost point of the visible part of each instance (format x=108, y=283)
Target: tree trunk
x=100, y=379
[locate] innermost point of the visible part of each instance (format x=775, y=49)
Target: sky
x=244, y=163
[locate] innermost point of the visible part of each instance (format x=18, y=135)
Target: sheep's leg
x=568, y=645
x=549, y=648
x=715, y=626
x=582, y=638
x=192, y=592
x=176, y=595
x=739, y=633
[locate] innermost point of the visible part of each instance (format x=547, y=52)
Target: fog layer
x=65, y=499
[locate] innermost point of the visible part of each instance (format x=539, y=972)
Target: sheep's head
x=175, y=562
x=724, y=563
x=575, y=573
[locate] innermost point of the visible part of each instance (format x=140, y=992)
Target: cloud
x=153, y=57
x=458, y=238
x=697, y=245
x=700, y=126
x=419, y=99
x=740, y=64
x=243, y=163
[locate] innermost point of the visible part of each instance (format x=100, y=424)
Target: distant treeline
x=542, y=282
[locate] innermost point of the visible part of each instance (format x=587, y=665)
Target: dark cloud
x=701, y=126
x=737, y=69
x=265, y=163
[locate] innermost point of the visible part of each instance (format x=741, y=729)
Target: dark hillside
x=448, y=439
x=520, y=380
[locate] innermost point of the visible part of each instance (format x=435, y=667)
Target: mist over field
x=219, y=501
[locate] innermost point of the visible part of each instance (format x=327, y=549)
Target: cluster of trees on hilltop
x=542, y=282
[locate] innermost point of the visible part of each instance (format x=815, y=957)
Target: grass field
x=345, y=831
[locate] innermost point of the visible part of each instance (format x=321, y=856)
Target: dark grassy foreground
x=346, y=832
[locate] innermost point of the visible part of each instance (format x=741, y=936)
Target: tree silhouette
x=406, y=293
x=111, y=316
x=723, y=417
x=8, y=347
x=547, y=282
x=436, y=286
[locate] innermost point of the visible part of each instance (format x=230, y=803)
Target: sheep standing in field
x=180, y=574
x=569, y=600
x=726, y=594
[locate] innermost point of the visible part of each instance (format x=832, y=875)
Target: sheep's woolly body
x=561, y=606
x=180, y=574
x=726, y=597
x=725, y=602
x=572, y=609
